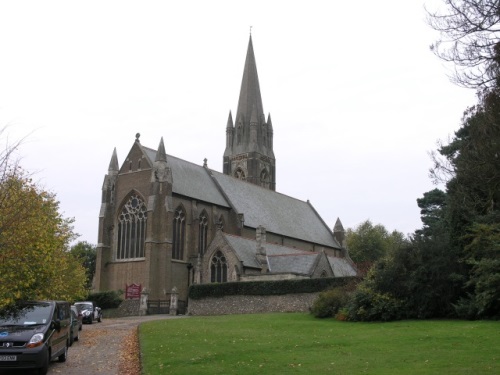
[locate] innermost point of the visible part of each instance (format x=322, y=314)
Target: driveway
x=101, y=348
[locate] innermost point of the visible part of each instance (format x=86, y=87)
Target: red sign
x=133, y=291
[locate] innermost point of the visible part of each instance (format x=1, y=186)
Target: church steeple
x=250, y=97
x=249, y=141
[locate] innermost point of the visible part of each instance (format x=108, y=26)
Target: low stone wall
x=244, y=304
x=128, y=307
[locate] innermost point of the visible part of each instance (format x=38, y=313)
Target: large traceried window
x=179, y=234
x=203, y=239
x=218, y=268
x=132, y=229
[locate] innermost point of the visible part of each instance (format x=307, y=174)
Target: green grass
x=301, y=344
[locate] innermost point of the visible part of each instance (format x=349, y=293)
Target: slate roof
x=191, y=180
x=276, y=212
x=302, y=263
x=341, y=267
x=283, y=259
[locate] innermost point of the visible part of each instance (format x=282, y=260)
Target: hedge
x=263, y=288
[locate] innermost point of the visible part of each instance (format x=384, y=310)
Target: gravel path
x=98, y=351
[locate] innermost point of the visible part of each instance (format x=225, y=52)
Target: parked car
x=89, y=311
x=79, y=316
x=34, y=334
x=74, y=332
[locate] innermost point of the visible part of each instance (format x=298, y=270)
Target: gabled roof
x=341, y=267
x=276, y=212
x=302, y=263
x=191, y=180
x=283, y=259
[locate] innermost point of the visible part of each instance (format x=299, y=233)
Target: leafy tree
x=34, y=238
x=469, y=35
x=484, y=257
x=86, y=255
x=368, y=243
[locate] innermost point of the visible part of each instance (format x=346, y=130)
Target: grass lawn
x=300, y=344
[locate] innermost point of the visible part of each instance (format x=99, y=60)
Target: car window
x=31, y=314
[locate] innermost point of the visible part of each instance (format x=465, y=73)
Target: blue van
x=34, y=334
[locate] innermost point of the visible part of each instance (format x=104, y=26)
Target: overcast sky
x=356, y=97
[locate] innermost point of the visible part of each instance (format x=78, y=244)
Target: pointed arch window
x=240, y=174
x=264, y=179
x=203, y=233
x=179, y=234
x=218, y=268
x=132, y=229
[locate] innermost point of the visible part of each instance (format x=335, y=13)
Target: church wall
x=179, y=279
x=113, y=275
x=122, y=273
x=137, y=181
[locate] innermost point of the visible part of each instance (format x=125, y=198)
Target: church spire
x=250, y=90
x=249, y=140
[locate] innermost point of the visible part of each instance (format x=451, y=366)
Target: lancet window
x=203, y=232
x=179, y=235
x=218, y=268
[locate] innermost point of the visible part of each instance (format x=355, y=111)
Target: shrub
x=263, y=288
x=368, y=305
x=106, y=300
x=329, y=303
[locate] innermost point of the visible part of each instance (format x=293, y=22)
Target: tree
x=34, y=238
x=432, y=212
x=368, y=243
x=484, y=257
x=469, y=36
x=86, y=255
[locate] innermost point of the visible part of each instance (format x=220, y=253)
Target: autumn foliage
x=34, y=238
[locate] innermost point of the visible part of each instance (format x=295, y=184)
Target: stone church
x=165, y=222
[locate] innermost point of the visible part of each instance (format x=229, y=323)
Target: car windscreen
x=28, y=314
x=83, y=306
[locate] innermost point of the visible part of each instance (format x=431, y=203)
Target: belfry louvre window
x=132, y=229
x=218, y=268
x=179, y=234
x=202, y=245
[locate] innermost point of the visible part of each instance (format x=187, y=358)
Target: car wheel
x=71, y=338
x=45, y=367
x=99, y=319
x=64, y=356
x=91, y=321
x=77, y=337
x=80, y=327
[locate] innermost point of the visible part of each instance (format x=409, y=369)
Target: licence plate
x=8, y=358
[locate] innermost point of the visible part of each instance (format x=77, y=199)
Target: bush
x=263, y=288
x=106, y=300
x=329, y=303
x=368, y=305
